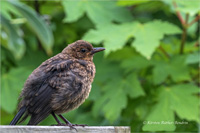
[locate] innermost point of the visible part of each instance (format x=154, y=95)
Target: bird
x=60, y=84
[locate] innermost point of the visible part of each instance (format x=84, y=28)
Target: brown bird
x=58, y=85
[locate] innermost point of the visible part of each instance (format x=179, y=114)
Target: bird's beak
x=95, y=50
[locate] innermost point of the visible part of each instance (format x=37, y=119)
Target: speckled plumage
x=60, y=84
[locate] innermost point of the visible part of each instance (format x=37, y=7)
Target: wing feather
x=37, y=93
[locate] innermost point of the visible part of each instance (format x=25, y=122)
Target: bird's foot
x=82, y=125
x=71, y=126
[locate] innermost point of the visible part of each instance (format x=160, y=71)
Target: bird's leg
x=69, y=123
x=59, y=123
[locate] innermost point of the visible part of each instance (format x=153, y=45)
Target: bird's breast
x=74, y=87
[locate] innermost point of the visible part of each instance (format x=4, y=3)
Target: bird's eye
x=83, y=50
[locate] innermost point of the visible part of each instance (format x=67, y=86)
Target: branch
x=195, y=20
x=185, y=25
x=179, y=14
x=186, y=18
x=184, y=34
x=164, y=52
x=183, y=38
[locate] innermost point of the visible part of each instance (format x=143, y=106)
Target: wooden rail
x=64, y=129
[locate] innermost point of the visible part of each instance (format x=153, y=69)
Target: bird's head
x=81, y=50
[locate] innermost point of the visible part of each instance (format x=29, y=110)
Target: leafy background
x=148, y=73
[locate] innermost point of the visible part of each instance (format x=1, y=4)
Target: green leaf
x=12, y=83
x=184, y=102
x=103, y=102
x=179, y=98
x=191, y=7
x=131, y=2
x=114, y=101
x=160, y=114
x=124, y=53
x=5, y=9
x=100, y=12
x=105, y=70
x=148, y=36
x=160, y=73
x=176, y=69
x=193, y=58
x=142, y=107
x=132, y=86
x=73, y=10
x=37, y=24
x=15, y=43
x=114, y=41
x=135, y=63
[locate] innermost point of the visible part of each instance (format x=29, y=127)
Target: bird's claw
x=82, y=125
x=72, y=126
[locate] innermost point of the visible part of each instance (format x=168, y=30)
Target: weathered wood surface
x=64, y=129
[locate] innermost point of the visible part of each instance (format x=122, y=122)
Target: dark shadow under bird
x=58, y=85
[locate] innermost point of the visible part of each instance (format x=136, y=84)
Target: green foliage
x=144, y=79
x=37, y=24
x=100, y=12
x=117, y=102
x=175, y=68
x=191, y=7
x=113, y=30
x=12, y=83
x=34, y=21
x=193, y=58
x=129, y=3
x=177, y=98
x=151, y=34
x=15, y=42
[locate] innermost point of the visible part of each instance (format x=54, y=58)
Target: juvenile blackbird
x=58, y=85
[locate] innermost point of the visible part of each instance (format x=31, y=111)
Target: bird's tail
x=18, y=116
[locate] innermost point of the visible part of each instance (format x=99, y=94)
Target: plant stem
x=195, y=20
x=164, y=52
x=186, y=18
x=183, y=38
x=184, y=34
x=179, y=14
x=184, y=25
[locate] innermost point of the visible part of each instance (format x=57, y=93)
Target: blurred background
x=148, y=77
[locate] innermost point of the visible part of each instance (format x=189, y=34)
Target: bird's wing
x=37, y=93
